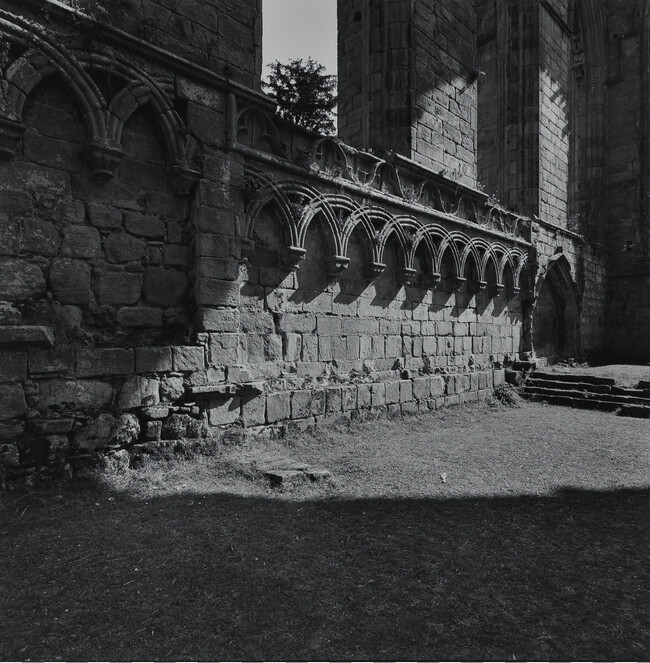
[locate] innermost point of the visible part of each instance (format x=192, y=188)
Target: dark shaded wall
x=627, y=175
x=407, y=81
x=224, y=36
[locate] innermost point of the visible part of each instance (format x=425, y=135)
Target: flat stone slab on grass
x=299, y=473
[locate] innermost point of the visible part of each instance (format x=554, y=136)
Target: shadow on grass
x=220, y=577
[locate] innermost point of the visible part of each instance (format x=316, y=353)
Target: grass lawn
x=534, y=547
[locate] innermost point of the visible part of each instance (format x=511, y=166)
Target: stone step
x=592, y=388
x=578, y=386
x=572, y=377
x=563, y=399
x=638, y=411
x=587, y=395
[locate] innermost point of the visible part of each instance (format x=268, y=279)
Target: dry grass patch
x=533, y=547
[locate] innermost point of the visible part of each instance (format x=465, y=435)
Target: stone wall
x=628, y=230
x=417, y=93
x=180, y=268
x=224, y=36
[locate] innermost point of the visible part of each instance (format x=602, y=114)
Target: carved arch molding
x=297, y=204
x=42, y=56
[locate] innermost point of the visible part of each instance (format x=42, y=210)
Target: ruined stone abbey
x=179, y=267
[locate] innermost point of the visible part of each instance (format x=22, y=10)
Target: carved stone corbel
x=337, y=264
x=11, y=133
x=405, y=275
x=291, y=257
x=104, y=160
x=480, y=286
x=375, y=269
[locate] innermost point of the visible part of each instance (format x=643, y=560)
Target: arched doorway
x=555, y=313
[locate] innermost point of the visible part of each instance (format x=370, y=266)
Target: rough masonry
x=180, y=268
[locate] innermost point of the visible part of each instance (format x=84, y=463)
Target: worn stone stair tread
x=578, y=386
x=637, y=411
x=572, y=377
x=563, y=399
x=586, y=395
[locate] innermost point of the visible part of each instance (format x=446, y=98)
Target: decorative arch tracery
x=104, y=118
x=298, y=204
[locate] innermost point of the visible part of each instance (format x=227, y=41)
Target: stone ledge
x=12, y=336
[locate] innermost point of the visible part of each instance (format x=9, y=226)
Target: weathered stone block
x=365, y=347
x=211, y=245
x=349, y=398
x=301, y=404
x=318, y=401
x=224, y=349
x=393, y=346
x=215, y=292
x=92, y=395
x=40, y=237
x=254, y=411
x=444, y=328
x=116, y=287
x=217, y=268
x=144, y=225
x=52, y=426
x=165, y=287
x=153, y=360
x=421, y=388
x=292, y=347
x=310, y=369
x=364, y=396
x=225, y=412
x=188, y=358
x=392, y=392
x=405, y=391
x=278, y=407
x=217, y=320
x=328, y=325
x=180, y=426
x=171, y=389
x=104, y=217
x=122, y=247
x=177, y=255
x=9, y=456
x=97, y=434
x=12, y=402
x=437, y=385
x=142, y=316
x=13, y=366
x=153, y=430
x=139, y=392
x=378, y=394
x=303, y=323
x=80, y=242
x=70, y=281
x=104, y=361
x=20, y=280
x=11, y=240
x=9, y=314
x=498, y=377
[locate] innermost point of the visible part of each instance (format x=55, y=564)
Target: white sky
x=299, y=29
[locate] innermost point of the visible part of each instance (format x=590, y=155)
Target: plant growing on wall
x=305, y=94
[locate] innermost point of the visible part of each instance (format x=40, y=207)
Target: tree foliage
x=304, y=93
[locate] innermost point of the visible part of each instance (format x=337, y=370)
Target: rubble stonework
x=179, y=266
